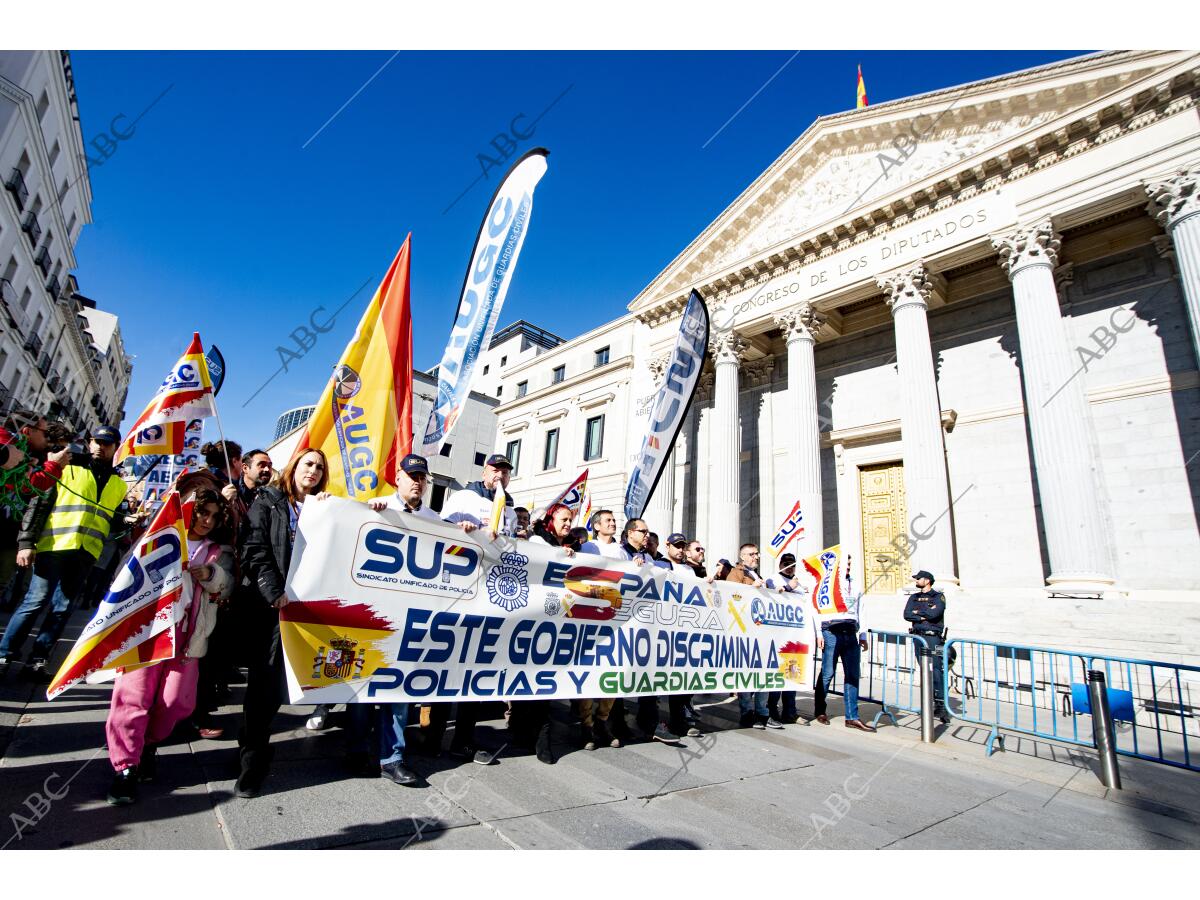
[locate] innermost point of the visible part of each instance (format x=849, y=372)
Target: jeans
x=753, y=703
x=789, y=704
x=648, y=714
x=841, y=642
x=390, y=720
x=58, y=579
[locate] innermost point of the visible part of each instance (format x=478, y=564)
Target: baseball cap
x=924, y=574
x=414, y=464
x=499, y=460
x=106, y=434
x=676, y=537
x=787, y=559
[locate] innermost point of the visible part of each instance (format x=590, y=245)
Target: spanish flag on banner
x=862, y=91
x=185, y=394
x=363, y=420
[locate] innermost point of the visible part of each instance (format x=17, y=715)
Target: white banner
x=389, y=607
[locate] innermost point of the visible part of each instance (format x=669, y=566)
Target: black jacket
x=926, y=610
x=267, y=552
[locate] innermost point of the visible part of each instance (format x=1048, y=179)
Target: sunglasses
x=639, y=530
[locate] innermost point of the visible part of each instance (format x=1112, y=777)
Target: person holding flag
x=62, y=534
x=838, y=637
x=149, y=701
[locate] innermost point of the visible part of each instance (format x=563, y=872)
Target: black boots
x=124, y=788
x=542, y=746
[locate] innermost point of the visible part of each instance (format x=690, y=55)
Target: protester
x=652, y=546
x=604, y=541
x=695, y=559
x=926, y=609
x=530, y=722
x=266, y=555
x=677, y=553
x=786, y=583
x=752, y=705
x=215, y=455
x=687, y=719
x=634, y=546
x=147, y=703
x=522, y=530
x=839, y=639
x=471, y=509
x=388, y=720
x=576, y=538
x=61, y=536
x=43, y=469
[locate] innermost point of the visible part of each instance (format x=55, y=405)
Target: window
x=503, y=361
x=485, y=369
x=550, y=456
x=54, y=151
x=445, y=451
x=480, y=459
x=438, y=498
x=560, y=372
x=593, y=438
x=601, y=357
x=522, y=388
x=499, y=390
x=513, y=452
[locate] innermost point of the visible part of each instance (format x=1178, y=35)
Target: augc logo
x=775, y=613
x=413, y=561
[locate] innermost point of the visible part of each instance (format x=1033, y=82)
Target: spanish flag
x=363, y=420
x=185, y=394
x=862, y=90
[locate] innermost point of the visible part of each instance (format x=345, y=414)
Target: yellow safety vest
x=80, y=519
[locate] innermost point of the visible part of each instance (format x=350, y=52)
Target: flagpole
x=221, y=432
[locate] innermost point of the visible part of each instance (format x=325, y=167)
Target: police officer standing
x=926, y=610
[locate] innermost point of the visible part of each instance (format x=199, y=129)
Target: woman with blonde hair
x=266, y=557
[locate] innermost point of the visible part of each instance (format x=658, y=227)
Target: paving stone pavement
x=812, y=787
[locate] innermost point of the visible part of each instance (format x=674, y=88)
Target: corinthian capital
x=912, y=286
x=658, y=367
x=800, y=322
x=728, y=347
x=1174, y=199
x=1029, y=245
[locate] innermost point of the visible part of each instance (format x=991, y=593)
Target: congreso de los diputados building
x=962, y=330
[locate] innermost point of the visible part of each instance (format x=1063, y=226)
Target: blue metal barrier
x=888, y=675
x=1155, y=712
x=1014, y=688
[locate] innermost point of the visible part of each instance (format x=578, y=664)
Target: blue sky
x=214, y=215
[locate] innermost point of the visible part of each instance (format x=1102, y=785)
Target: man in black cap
x=677, y=553
x=62, y=534
x=926, y=610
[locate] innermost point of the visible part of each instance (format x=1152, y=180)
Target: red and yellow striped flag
x=185, y=394
x=862, y=90
x=363, y=420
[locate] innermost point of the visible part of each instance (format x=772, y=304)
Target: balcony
x=16, y=187
x=42, y=261
x=54, y=382
x=14, y=317
x=43, y=365
x=32, y=228
x=34, y=345
x=53, y=287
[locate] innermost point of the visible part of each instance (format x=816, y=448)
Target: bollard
x=926, y=661
x=1102, y=730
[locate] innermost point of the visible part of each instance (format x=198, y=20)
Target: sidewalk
x=804, y=787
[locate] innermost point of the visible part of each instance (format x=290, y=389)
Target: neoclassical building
x=962, y=329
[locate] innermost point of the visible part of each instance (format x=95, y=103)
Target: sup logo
x=507, y=583
x=414, y=561
x=776, y=613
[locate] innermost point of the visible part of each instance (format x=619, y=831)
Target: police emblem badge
x=507, y=583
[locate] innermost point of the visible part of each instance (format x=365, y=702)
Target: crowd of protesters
x=76, y=525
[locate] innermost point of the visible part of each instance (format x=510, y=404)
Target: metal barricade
x=1154, y=709
x=1014, y=688
x=889, y=674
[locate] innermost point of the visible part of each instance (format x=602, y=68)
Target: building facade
x=962, y=330
x=58, y=353
x=291, y=420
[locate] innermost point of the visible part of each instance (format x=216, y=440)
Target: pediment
x=844, y=163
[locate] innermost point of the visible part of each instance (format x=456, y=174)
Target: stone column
x=724, y=509
x=801, y=427
x=930, y=525
x=1068, y=481
x=1175, y=203
x=660, y=510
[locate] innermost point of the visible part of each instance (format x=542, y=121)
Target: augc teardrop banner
x=389, y=607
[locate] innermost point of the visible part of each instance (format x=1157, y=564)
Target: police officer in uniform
x=61, y=536
x=926, y=610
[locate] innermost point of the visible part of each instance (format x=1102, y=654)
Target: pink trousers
x=146, y=705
